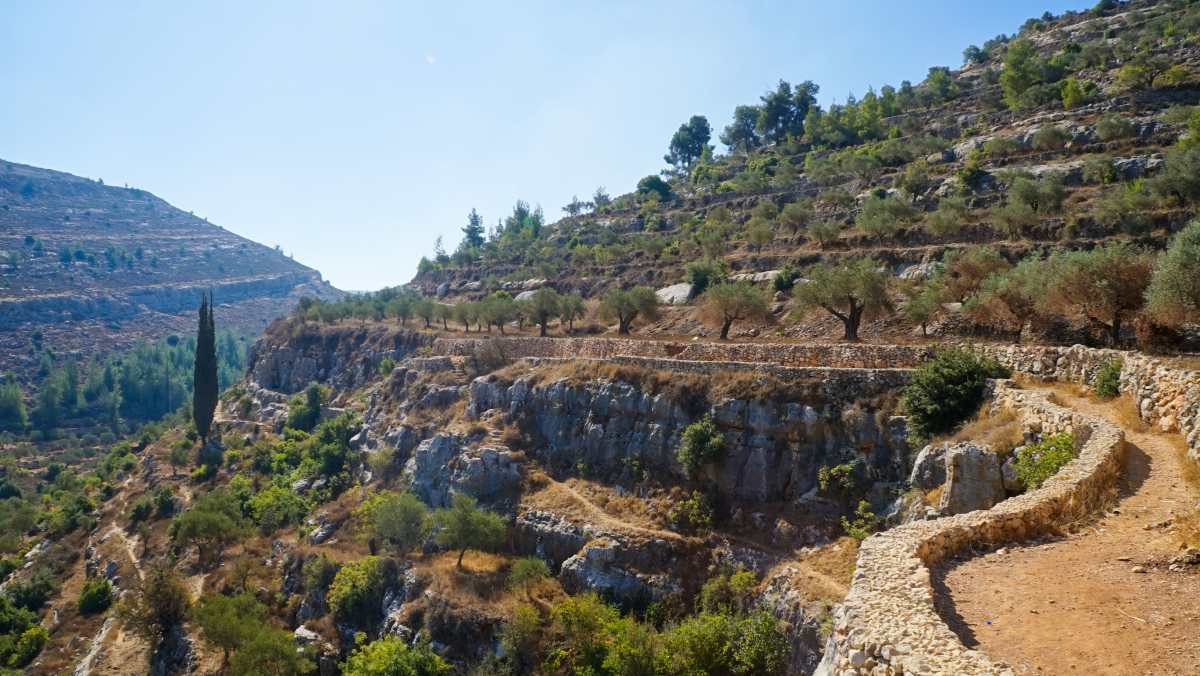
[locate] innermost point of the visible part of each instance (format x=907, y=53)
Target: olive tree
x=1103, y=286
x=728, y=302
x=848, y=290
x=1174, y=294
x=626, y=305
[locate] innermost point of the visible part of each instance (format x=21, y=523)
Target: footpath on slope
x=1101, y=601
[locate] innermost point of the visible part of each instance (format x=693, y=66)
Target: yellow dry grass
x=1001, y=431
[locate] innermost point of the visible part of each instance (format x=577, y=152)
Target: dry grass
x=482, y=582
x=837, y=559
x=1000, y=431
x=934, y=496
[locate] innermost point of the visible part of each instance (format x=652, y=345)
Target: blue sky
x=354, y=133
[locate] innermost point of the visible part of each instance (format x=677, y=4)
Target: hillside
x=902, y=386
x=1065, y=136
x=92, y=268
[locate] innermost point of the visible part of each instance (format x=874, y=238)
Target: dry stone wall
x=1166, y=395
x=888, y=624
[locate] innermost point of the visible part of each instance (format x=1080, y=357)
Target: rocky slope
x=94, y=268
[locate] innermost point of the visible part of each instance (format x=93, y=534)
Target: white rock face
x=676, y=294
x=973, y=479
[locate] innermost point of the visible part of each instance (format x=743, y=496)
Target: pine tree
x=204, y=391
x=473, y=233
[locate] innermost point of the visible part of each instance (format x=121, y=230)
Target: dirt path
x=1097, y=602
x=562, y=498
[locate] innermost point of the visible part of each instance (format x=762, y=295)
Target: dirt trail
x=1097, y=602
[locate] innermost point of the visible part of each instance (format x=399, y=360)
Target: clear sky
x=354, y=133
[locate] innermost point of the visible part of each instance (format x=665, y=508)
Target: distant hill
x=87, y=268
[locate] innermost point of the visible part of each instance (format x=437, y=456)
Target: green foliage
x=688, y=143
x=527, y=572
x=397, y=520
x=356, y=593
x=1099, y=170
x=33, y=593
x=394, y=657
x=1050, y=137
x=1179, y=179
x=728, y=302
x=946, y=391
x=204, y=382
x=626, y=305
x=704, y=273
x=1107, y=383
x=825, y=232
x=95, y=597
x=28, y=645
x=1038, y=462
x=277, y=507
x=654, y=186
x=1174, y=293
x=882, y=217
x=732, y=592
x=863, y=524
x=229, y=622
x=844, y=479
x=466, y=526
x=1008, y=299
x=13, y=417
x=786, y=278
x=214, y=521
x=305, y=410
x=1112, y=126
x=141, y=509
x=701, y=444
x=270, y=651
x=849, y=290
x=1126, y=207
x=692, y=514
x=158, y=603
x=1103, y=286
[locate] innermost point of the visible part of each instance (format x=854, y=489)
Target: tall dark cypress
x=204, y=390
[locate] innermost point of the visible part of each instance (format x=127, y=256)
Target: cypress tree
x=204, y=390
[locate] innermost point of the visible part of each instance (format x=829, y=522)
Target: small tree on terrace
x=465, y=526
x=850, y=291
x=1103, y=286
x=543, y=307
x=796, y=216
x=156, y=605
x=570, y=308
x=399, y=520
x=1008, y=300
x=733, y=301
x=1174, y=294
x=626, y=305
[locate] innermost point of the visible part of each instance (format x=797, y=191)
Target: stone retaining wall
x=830, y=355
x=1166, y=396
x=888, y=624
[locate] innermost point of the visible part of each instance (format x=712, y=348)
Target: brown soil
x=1099, y=601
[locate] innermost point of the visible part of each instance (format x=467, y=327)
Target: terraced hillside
x=1069, y=135
x=94, y=268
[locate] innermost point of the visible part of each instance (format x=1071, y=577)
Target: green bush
x=1113, y=126
x=786, y=279
x=702, y=444
x=28, y=646
x=1107, y=383
x=305, y=410
x=946, y=391
x=705, y=273
x=864, y=523
x=356, y=594
x=394, y=657
x=277, y=507
x=1038, y=462
x=1050, y=138
x=692, y=514
x=95, y=597
x=141, y=509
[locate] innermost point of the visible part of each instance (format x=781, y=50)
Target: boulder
x=676, y=294
x=442, y=466
x=929, y=469
x=973, y=479
x=1008, y=474
x=596, y=569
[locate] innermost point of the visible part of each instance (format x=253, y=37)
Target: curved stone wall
x=888, y=624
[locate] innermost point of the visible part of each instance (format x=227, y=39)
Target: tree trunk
x=853, y=319
x=725, y=329
x=542, y=332
x=460, y=558
x=1115, y=329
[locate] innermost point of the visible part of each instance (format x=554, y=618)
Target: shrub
x=394, y=657
x=786, y=278
x=158, y=603
x=1038, y=462
x=1174, y=293
x=28, y=646
x=305, y=410
x=947, y=390
x=692, y=514
x=825, y=232
x=1001, y=146
x=270, y=651
x=228, y=622
x=399, y=520
x=33, y=593
x=702, y=443
x=141, y=509
x=1050, y=138
x=882, y=216
x=1099, y=170
x=1107, y=384
x=864, y=523
x=948, y=218
x=95, y=597
x=1113, y=126
x=277, y=507
x=356, y=594
x=526, y=573
x=705, y=273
